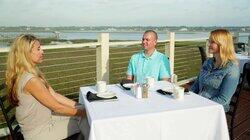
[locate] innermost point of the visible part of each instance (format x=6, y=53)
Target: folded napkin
x=93, y=97
x=125, y=81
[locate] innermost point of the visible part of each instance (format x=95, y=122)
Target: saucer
x=107, y=94
x=128, y=85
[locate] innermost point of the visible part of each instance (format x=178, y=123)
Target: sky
x=54, y=13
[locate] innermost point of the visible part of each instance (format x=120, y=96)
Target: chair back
x=234, y=101
x=9, y=115
x=235, y=98
x=203, y=54
x=239, y=47
x=246, y=73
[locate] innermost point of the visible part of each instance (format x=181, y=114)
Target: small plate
x=128, y=85
x=108, y=94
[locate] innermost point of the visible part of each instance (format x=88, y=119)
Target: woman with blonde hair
x=219, y=75
x=40, y=111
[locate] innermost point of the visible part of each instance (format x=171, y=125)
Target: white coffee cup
x=101, y=87
x=150, y=81
x=173, y=78
x=178, y=92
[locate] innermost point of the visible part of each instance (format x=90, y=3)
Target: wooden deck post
x=236, y=37
x=102, y=58
x=171, y=51
x=248, y=44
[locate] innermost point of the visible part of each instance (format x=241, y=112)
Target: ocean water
x=113, y=35
x=129, y=35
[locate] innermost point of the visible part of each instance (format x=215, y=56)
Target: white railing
x=102, y=57
x=102, y=51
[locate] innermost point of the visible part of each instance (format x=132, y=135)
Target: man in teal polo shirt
x=148, y=62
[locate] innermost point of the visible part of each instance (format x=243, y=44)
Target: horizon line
x=248, y=26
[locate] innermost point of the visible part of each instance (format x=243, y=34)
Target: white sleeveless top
x=31, y=115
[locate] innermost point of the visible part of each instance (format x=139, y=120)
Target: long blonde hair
x=224, y=40
x=18, y=62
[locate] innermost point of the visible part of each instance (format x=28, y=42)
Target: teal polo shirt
x=141, y=66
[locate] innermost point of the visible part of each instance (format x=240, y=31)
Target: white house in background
x=111, y=29
x=183, y=29
x=57, y=34
x=243, y=29
x=46, y=29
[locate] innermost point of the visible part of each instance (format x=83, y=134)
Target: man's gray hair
x=152, y=31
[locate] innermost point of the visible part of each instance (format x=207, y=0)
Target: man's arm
x=165, y=79
x=164, y=70
x=129, y=75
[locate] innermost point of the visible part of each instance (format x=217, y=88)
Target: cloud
x=120, y=12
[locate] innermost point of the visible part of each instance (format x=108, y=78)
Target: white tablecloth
x=159, y=117
x=242, y=60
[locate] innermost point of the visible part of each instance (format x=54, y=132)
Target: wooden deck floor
x=242, y=129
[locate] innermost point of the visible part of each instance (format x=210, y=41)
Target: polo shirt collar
x=152, y=56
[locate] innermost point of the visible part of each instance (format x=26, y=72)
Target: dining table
x=242, y=59
x=157, y=117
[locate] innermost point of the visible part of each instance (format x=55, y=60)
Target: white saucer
x=128, y=85
x=107, y=94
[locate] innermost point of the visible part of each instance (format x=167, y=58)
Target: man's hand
x=165, y=79
x=129, y=77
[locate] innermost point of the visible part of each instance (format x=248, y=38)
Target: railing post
x=170, y=51
x=248, y=44
x=102, y=58
x=236, y=37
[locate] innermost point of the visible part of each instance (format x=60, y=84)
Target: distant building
x=111, y=29
x=57, y=34
x=183, y=29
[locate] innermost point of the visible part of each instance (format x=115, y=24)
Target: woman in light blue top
x=219, y=75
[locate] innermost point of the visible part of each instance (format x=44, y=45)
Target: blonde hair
x=224, y=40
x=18, y=62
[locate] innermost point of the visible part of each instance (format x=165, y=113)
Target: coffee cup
x=101, y=87
x=150, y=81
x=178, y=93
x=173, y=78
